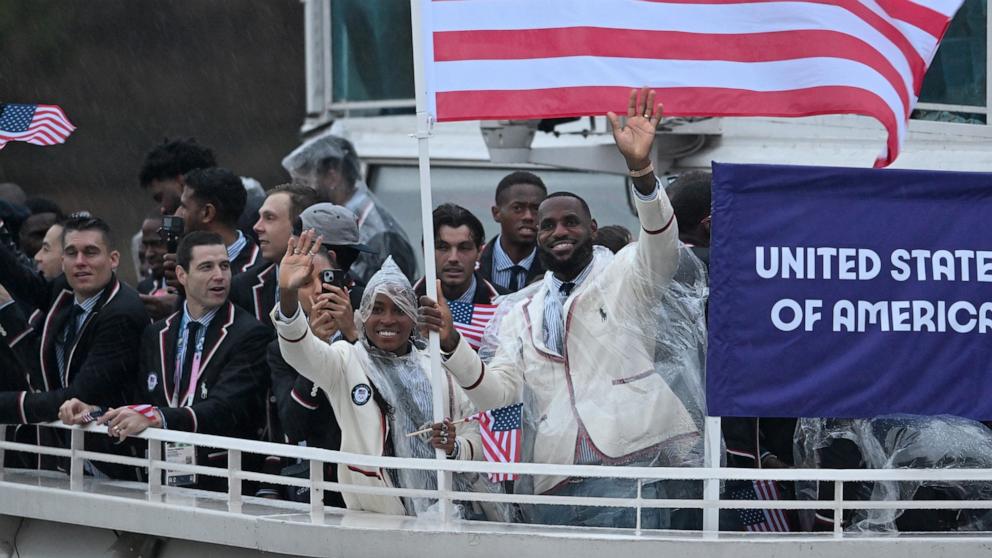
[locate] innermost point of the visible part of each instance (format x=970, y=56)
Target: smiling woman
x=379, y=387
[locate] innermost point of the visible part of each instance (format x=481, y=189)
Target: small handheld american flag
x=757, y=520
x=471, y=320
x=500, y=430
x=37, y=124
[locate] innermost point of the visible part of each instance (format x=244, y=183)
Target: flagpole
x=423, y=134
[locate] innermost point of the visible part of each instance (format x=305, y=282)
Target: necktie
x=186, y=372
x=517, y=272
x=64, y=347
x=554, y=321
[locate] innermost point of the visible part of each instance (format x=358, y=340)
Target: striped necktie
x=63, y=346
x=554, y=321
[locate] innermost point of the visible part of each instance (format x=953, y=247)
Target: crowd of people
x=294, y=316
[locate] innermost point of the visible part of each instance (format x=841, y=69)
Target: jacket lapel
x=108, y=294
x=54, y=322
x=167, y=339
x=261, y=290
x=216, y=333
x=486, y=259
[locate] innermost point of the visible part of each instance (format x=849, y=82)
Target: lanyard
x=194, y=372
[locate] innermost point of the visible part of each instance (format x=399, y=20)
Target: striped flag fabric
x=471, y=320
x=762, y=521
x=500, y=429
x=37, y=124
x=531, y=59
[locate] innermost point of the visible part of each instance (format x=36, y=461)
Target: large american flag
x=530, y=59
x=471, y=320
x=761, y=521
x=37, y=124
x=500, y=430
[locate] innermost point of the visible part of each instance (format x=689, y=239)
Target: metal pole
x=3, y=436
x=838, y=511
x=424, y=123
x=154, y=471
x=711, y=487
x=316, y=491
x=75, y=462
x=637, y=526
x=234, y=481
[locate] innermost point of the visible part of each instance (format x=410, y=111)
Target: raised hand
x=636, y=138
x=436, y=316
x=296, y=266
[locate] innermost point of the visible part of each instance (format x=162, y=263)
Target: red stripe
x=296, y=397
x=531, y=104
x=886, y=28
x=931, y=21
x=766, y=490
x=519, y=44
x=482, y=374
x=364, y=472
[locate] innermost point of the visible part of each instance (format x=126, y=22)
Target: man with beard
x=154, y=248
x=164, y=166
x=579, y=347
x=212, y=200
x=458, y=238
x=44, y=214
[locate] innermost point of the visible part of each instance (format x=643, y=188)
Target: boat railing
x=155, y=464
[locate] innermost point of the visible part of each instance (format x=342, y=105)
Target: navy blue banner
x=850, y=292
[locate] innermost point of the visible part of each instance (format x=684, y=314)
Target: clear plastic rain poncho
x=635, y=356
x=895, y=442
x=404, y=383
x=377, y=228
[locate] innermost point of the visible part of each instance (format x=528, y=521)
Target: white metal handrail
x=235, y=447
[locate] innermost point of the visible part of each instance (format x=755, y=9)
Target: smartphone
x=93, y=415
x=334, y=277
x=171, y=231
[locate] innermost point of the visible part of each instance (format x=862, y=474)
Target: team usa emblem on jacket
x=361, y=394
x=152, y=381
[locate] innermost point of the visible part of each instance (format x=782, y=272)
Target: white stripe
x=922, y=42
x=50, y=126
x=652, y=16
x=19, y=135
x=293, y=394
x=740, y=453
x=20, y=407
x=580, y=71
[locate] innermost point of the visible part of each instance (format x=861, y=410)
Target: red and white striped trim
x=296, y=397
x=146, y=410
x=192, y=414
x=20, y=407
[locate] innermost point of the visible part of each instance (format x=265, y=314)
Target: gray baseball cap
x=337, y=224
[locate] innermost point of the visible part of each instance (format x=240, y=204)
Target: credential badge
x=361, y=394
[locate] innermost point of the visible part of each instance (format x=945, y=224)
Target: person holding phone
x=379, y=387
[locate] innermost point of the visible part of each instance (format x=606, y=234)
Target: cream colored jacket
x=340, y=370
x=605, y=383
